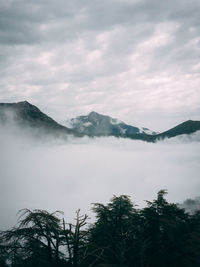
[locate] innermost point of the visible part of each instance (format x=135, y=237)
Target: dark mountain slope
x=24, y=114
x=187, y=127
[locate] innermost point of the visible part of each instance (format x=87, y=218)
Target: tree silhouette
x=166, y=229
x=114, y=229
x=75, y=239
x=39, y=238
x=159, y=235
x=36, y=237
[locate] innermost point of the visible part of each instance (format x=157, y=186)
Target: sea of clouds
x=60, y=175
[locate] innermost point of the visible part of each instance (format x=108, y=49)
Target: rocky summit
x=96, y=124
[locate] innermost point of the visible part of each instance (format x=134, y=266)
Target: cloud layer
x=69, y=176
x=136, y=60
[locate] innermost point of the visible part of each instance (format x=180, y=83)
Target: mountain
x=187, y=127
x=27, y=116
x=95, y=124
x=23, y=115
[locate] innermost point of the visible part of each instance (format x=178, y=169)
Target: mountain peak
x=23, y=114
x=94, y=114
x=24, y=102
x=96, y=118
x=25, y=105
x=96, y=124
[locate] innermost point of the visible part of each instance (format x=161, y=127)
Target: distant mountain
x=27, y=116
x=187, y=127
x=23, y=114
x=95, y=124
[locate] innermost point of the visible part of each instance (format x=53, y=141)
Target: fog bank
x=72, y=175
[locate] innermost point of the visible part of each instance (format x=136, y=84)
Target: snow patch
x=86, y=124
x=147, y=131
x=123, y=131
x=115, y=121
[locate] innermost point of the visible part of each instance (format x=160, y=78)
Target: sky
x=136, y=60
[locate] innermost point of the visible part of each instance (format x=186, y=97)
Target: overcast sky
x=138, y=60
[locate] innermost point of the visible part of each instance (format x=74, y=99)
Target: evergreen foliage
x=159, y=235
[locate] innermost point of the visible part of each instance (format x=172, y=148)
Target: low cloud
x=191, y=205
x=71, y=175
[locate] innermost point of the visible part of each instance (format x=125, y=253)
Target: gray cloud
x=137, y=60
x=72, y=175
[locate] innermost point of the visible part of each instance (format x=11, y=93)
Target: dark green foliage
x=114, y=230
x=162, y=234
x=165, y=233
x=43, y=240
x=159, y=235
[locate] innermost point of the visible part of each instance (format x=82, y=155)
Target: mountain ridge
x=94, y=124
x=98, y=124
x=24, y=114
x=186, y=127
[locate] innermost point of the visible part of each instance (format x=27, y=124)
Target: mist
x=68, y=175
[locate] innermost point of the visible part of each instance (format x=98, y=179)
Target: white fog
x=72, y=175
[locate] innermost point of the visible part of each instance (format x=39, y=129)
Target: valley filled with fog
x=58, y=175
